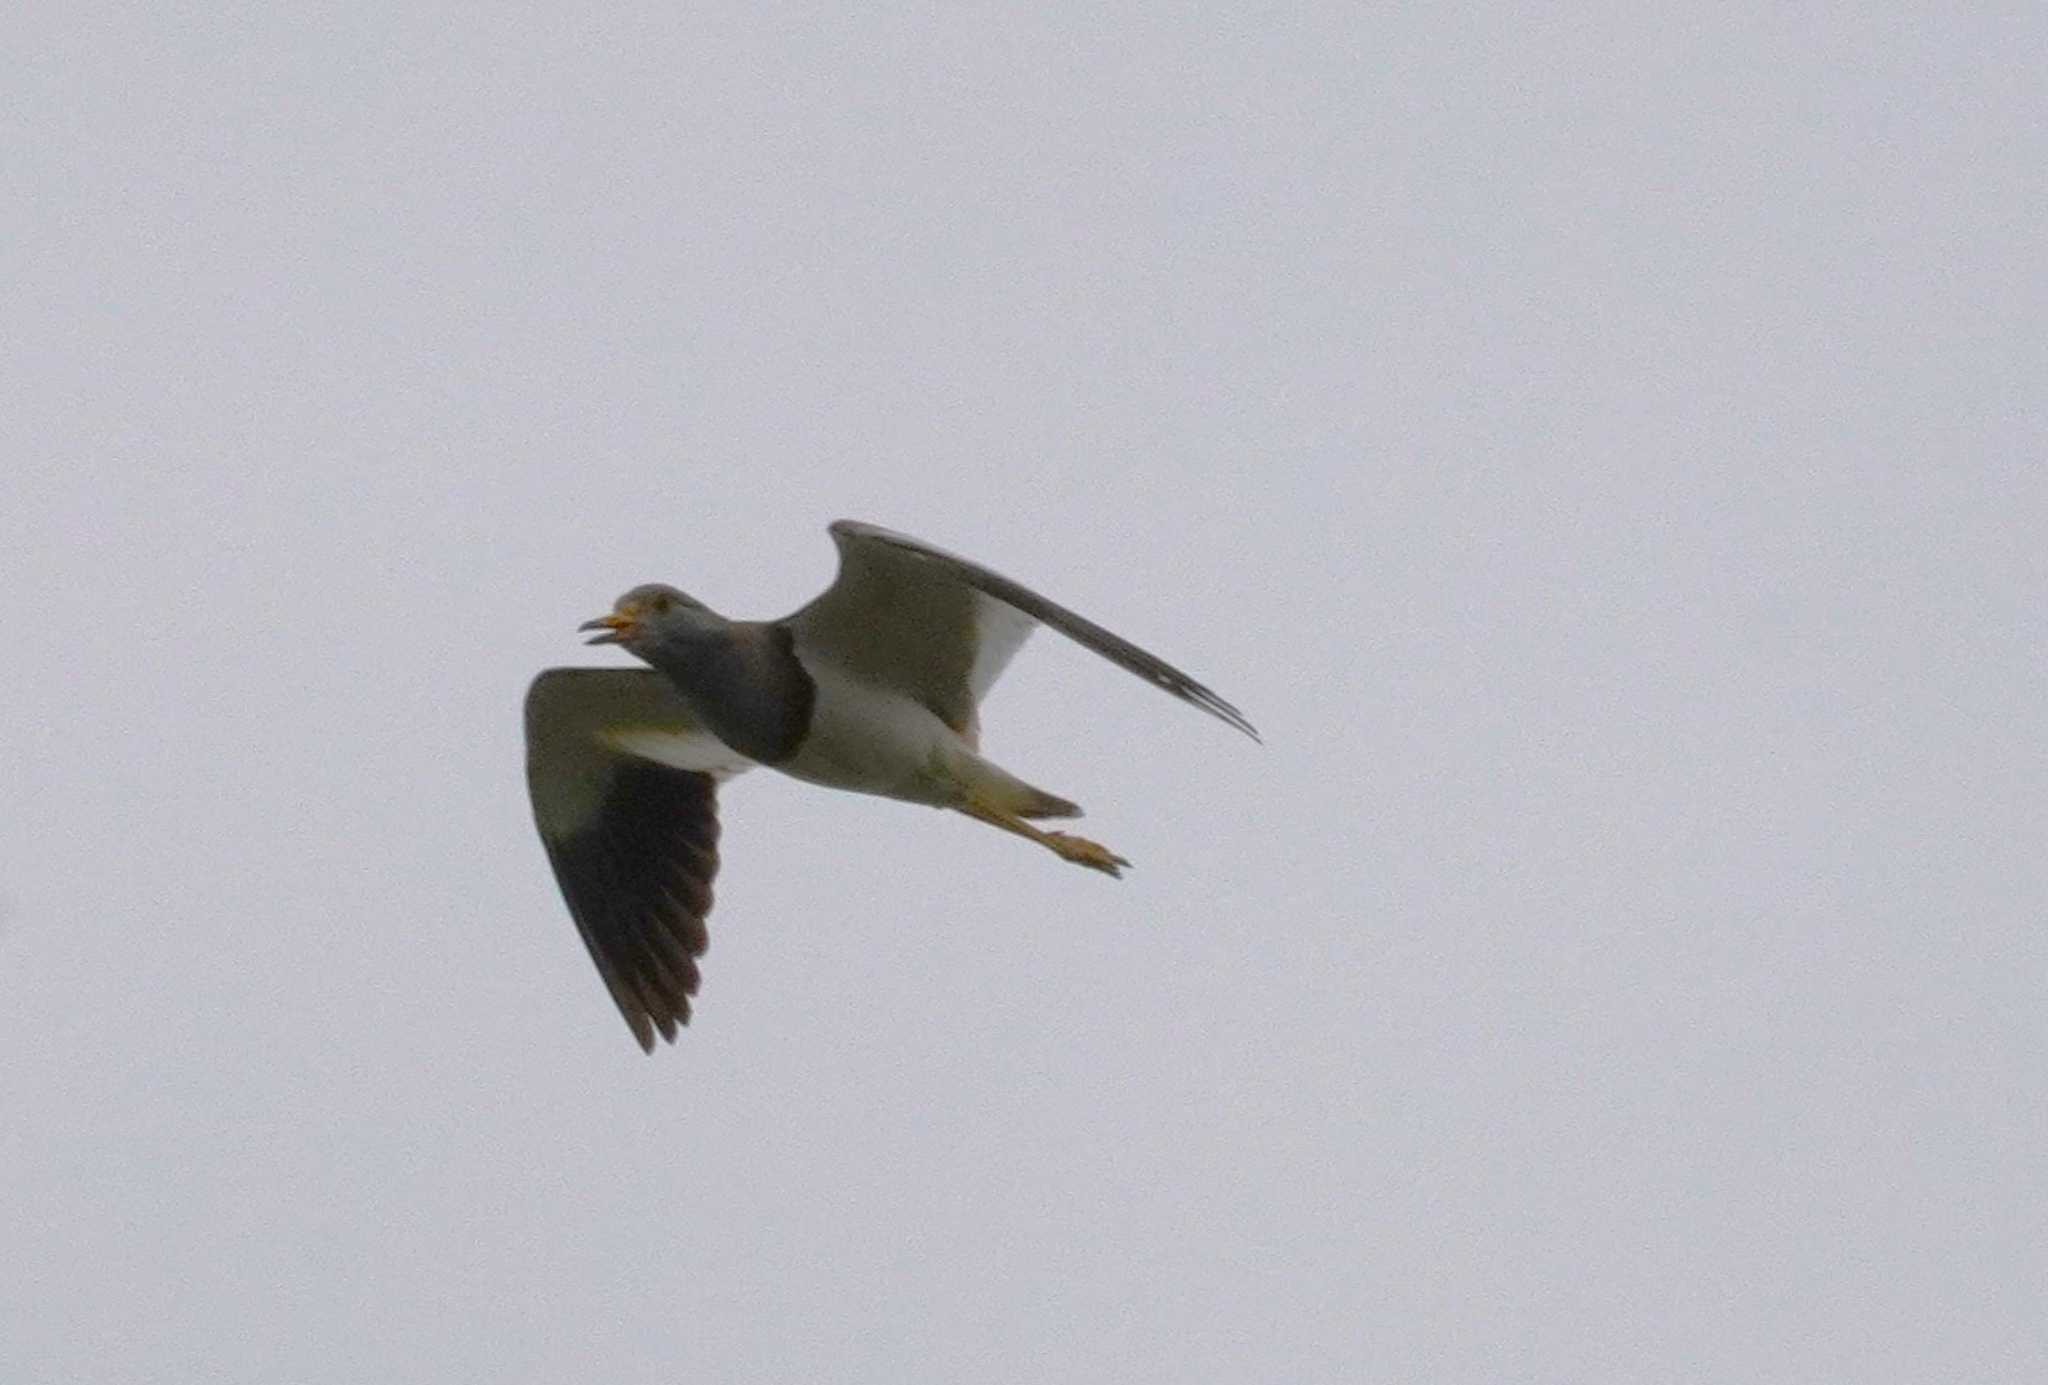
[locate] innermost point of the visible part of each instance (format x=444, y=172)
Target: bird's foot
x=1083, y=852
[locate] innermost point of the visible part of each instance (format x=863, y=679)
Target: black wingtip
x=1216, y=707
x=1239, y=720
x=643, y=1032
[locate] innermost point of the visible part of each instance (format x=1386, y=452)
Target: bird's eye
x=662, y=604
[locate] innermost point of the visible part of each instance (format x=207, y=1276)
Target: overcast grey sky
x=1604, y=454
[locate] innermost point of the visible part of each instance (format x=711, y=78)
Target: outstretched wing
x=905, y=615
x=624, y=786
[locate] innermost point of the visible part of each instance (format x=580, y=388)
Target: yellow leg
x=1066, y=846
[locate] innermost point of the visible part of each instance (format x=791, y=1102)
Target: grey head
x=655, y=614
x=741, y=679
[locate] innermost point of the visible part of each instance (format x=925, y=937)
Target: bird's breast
x=874, y=740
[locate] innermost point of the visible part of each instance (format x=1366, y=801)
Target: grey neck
x=745, y=684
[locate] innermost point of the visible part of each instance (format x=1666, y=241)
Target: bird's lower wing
x=624, y=788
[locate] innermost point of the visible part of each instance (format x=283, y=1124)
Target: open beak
x=616, y=628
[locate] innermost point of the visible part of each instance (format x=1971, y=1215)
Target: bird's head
x=650, y=614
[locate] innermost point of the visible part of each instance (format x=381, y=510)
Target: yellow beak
x=616, y=627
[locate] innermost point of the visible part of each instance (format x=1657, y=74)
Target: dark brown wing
x=633, y=839
x=638, y=882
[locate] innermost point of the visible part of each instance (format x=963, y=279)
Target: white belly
x=874, y=741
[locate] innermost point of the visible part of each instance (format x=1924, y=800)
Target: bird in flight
x=872, y=687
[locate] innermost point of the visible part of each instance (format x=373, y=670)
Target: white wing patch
x=691, y=750
x=1000, y=630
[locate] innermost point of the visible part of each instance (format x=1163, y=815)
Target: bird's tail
x=997, y=787
x=1047, y=805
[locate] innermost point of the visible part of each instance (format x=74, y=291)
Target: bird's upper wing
x=905, y=615
x=624, y=784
